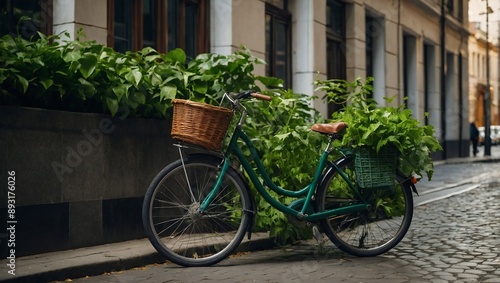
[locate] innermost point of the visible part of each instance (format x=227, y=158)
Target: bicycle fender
x=331, y=166
x=214, y=157
x=407, y=181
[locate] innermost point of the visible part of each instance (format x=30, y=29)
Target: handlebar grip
x=260, y=96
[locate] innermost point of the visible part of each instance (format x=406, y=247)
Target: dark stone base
x=79, y=178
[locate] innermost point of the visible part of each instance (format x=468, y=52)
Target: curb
x=86, y=269
x=98, y=260
x=484, y=159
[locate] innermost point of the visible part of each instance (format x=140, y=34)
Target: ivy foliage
x=374, y=126
x=84, y=76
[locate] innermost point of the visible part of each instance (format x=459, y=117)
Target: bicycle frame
x=307, y=192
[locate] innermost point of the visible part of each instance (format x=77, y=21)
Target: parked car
x=494, y=135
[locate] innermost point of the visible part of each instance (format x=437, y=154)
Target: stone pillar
x=221, y=39
x=89, y=15
x=309, y=43
x=355, y=42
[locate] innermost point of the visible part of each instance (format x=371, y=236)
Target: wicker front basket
x=200, y=124
x=375, y=170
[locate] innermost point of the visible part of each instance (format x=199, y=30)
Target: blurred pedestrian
x=474, y=137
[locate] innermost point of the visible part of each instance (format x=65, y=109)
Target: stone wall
x=80, y=178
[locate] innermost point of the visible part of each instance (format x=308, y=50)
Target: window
x=409, y=61
x=38, y=18
x=122, y=25
x=335, y=44
x=471, y=64
x=375, y=37
x=188, y=25
x=278, y=41
x=455, y=8
x=410, y=73
x=161, y=24
x=369, y=45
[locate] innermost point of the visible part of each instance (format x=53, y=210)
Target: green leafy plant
x=280, y=131
x=373, y=126
x=83, y=76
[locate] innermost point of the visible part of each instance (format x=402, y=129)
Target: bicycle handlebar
x=261, y=96
x=252, y=94
x=235, y=101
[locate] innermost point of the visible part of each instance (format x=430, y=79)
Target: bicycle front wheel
x=172, y=219
x=371, y=232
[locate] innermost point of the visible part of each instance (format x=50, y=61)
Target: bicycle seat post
x=331, y=138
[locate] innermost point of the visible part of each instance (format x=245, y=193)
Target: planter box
x=79, y=178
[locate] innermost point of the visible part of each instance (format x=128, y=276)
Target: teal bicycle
x=198, y=209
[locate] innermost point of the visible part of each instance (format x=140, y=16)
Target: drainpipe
x=460, y=104
x=487, y=95
x=443, y=77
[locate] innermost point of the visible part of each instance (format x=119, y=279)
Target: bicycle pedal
x=317, y=234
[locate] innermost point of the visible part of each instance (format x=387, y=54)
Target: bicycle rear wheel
x=172, y=220
x=371, y=232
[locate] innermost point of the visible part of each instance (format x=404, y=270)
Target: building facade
x=478, y=78
x=484, y=30
x=416, y=50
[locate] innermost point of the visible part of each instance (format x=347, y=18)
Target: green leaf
x=134, y=76
x=155, y=79
x=200, y=87
x=270, y=82
x=139, y=97
x=282, y=136
x=149, y=51
x=47, y=83
x=168, y=92
x=186, y=76
x=112, y=105
x=177, y=55
x=161, y=107
x=121, y=90
x=24, y=82
x=87, y=65
x=71, y=56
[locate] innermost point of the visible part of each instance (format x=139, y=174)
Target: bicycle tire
x=171, y=219
x=368, y=233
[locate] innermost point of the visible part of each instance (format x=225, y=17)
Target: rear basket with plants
x=375, y=170
x=402, y=142
x=200, y=124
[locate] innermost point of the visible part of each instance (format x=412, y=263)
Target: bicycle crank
x=298, y=205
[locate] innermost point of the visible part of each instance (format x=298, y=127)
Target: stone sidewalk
x=124, y=255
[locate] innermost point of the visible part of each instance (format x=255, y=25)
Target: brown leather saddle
x=329, y=128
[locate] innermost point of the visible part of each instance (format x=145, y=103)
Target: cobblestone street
x=456, y=239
